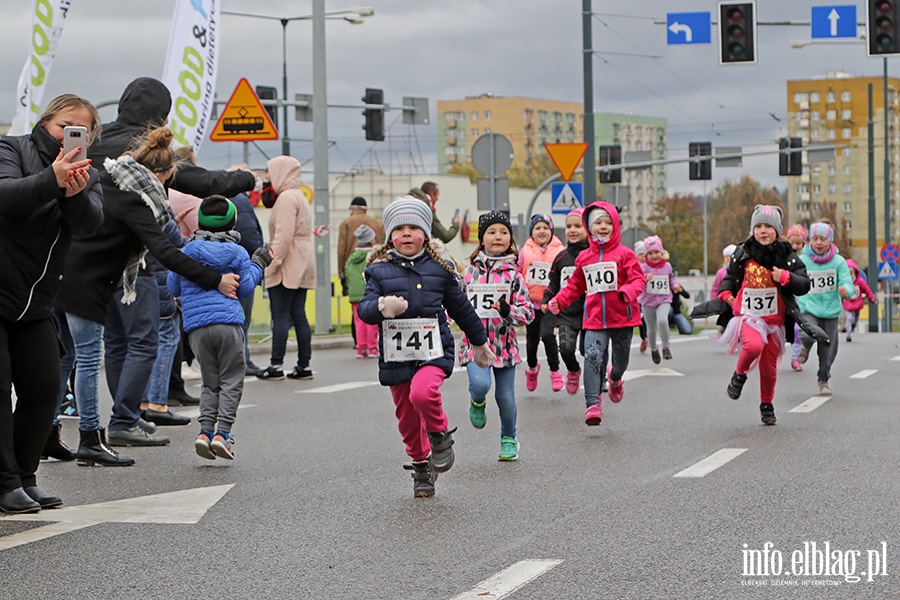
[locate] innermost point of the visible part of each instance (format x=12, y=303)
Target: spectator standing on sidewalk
x=251, y=239
x=366, y=335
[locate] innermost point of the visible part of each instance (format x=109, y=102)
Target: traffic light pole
x=321, y=214
x=590, y=158
x=888, y=285
x=873, y=256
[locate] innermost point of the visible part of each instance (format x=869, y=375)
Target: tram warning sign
x=244, y=118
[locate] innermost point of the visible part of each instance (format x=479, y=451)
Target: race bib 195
x=411, y=339
x=658, y=285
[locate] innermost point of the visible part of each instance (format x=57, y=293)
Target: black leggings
x=533, y=335
x=568, y=346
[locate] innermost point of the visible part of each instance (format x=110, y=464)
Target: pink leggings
x=366, y=335
x=420, y=409
x=753, y=347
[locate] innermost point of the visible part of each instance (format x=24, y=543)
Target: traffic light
x=737, y=32
x=374, y=116
x=610, y=155
x=882, y=22
x=790, y=163
x=700, y=170
x=266, y=92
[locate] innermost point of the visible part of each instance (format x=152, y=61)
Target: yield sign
x=244, y=118
x=566, y=157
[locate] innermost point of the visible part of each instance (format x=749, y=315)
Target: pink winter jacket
x=501, y=332
x=532, y=252
x=290, y=229
x=863, y=291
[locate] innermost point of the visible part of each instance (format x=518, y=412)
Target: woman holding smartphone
x=46, y=197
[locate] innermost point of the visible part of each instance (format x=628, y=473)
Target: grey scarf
x=131, y=176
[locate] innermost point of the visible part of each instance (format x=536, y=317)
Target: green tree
x=678, y=220
x=729, y=209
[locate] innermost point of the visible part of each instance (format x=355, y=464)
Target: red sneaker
x=644, y=343
x=573, y=381
x=616, y=388
x=556, y=381
x=592, y=415
x=531, y=377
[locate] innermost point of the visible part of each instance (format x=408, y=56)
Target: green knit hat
x=216, y=213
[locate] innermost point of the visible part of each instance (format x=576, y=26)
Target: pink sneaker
x=644, y=343
x=531, y=377
x=795, y=365
x=373, y=353
x=616, y=388
x=556, y=380
x=360, y=354
x=573, y=381
x=592, y=415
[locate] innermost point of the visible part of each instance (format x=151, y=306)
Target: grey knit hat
x=407, y=211
x=770, y=215
x=364, y=235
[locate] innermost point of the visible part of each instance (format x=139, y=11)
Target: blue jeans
x=289, y=308
x=66, y=361
x=247, y=305
x=88, y=338
x=131, y=337
x=504, y=394
x=157, y=390
x=596, y=344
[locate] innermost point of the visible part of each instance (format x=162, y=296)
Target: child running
x=609, y=275
x=656, y=299
x=366, y=335
x=497, y=291
x=763, y=278
x=409, y=292
x=861, y=293
x=641, y=252
x=568, y=321
x=796, y=235
x=830, y=281
x=215, y=323
x=535, y=259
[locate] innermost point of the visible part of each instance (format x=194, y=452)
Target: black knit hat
x=488, y=219
x=359, y=201
x=216, y=213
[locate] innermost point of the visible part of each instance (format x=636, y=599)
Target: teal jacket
x=353, y=270
x=827, y=304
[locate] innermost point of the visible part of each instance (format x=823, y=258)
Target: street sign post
x=244, y=118
x=566, y=197
x=890, y=252
x=887, y=270
x=833, y=21
x=492, y=155
x=688, y=28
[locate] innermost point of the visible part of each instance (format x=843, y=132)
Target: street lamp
x=354, y=16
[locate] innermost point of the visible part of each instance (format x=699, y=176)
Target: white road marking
x=653, y=372
x=194, y=412
x=185, y=507
x=811, y=404
x=896, y=358
x=864, y=373
x=711, y=463
x=338, y=387
x=508, y=580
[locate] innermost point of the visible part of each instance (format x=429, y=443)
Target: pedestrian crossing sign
x=567, y=196
x=887, y=270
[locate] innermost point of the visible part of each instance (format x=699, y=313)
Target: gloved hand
x=263, y=256
x=483, y=355
x=345, y=289
x=504, y=307
x=553, y=306
x=391, y=306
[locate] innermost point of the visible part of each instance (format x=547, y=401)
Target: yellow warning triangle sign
x=566, y=157
x=244, y=118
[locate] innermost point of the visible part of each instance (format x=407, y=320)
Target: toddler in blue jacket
x=214, y=322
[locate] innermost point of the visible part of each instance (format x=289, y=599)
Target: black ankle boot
x=736, y=385
x=54, y=447
x=95, y=451
x=767, y=413
x=42, y=498
x=17, y=502
x=442, y=449
x=423, y=475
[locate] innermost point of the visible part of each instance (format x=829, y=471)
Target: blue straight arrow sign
x=833, y=21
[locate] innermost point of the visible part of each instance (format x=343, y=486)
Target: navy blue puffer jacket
x=429, y=289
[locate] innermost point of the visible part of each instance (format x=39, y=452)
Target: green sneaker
x=509, y=448
x=477, y=415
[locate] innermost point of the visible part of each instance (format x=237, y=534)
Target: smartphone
x=455, y=214
x=73, y=137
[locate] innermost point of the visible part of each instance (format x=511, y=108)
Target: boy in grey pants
x=214, y=322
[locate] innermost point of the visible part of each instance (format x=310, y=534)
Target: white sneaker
x=824, y=390
x=189, y=372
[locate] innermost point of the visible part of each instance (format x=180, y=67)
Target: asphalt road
x=316, y=504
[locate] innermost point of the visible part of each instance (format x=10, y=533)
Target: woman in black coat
x=46, y=197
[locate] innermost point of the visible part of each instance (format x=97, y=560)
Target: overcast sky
x=450, y=49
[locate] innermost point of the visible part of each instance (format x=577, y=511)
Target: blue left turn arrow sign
x=688, y=28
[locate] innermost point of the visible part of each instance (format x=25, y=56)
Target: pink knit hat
x=796, y=230
x=653, y=243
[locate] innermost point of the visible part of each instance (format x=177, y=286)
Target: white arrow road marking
x=185, y=507
x=194, y=412
x=864, y=373
x=811, y=404
x=711, y=463
x=339, y=387
x=654, y=372
x=508, y=580
x=677, y=28
x=896, y=358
